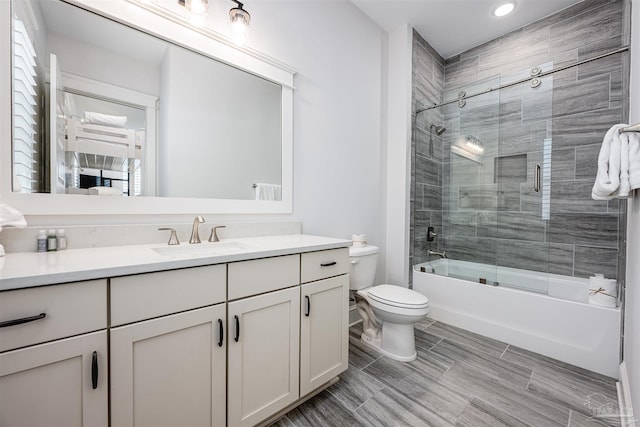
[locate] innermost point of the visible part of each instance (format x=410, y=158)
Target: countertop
x=29, y=269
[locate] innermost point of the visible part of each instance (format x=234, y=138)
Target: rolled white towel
x=608, y=175
x=623, y=189
x=603, y=291
x=634, y=160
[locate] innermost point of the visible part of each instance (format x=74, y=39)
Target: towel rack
x=254, y=185
x=634, y=128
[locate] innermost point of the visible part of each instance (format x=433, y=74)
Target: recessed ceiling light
x=504, y=9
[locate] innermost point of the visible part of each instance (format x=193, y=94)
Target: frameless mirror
x=102, y=109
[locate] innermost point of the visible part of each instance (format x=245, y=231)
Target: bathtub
x=551, y=317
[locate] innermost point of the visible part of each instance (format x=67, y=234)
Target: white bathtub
x=560, y=325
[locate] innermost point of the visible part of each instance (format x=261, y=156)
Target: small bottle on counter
x=52, y=241
x=42, y=241
x=62, y=240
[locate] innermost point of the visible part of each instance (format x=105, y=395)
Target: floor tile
x=478, y=414
x=322, y=410
x=354, y=388
x=390, y=408
x=488, y=345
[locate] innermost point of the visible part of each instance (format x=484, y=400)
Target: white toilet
x=388, y=312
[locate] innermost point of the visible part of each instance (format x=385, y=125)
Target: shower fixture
x=439, y=131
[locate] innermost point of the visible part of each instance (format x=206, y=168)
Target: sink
x=202, y=249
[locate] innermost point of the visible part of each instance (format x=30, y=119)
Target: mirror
x=134, y=115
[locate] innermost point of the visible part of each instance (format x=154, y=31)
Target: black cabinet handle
x=94, y=370
x=237, y=337
x=308, y=310
x=328, y=264
x=23, y=320
x=221, y=329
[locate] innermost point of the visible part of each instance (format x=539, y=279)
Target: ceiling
x=453, y=26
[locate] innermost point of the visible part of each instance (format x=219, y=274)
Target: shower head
x=439, y=129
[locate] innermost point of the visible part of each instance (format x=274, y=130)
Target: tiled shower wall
x=488, y=212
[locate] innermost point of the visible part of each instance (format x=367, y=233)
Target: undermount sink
x=201, y=249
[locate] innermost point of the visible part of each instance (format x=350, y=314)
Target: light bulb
x=504, y=9
x=197, y=11
x=240, y=20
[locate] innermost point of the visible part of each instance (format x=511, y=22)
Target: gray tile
x=560, y=259
x=521, y=226
x=587, y=161
x=282, y=422
x=581, y=96
x=510, y=169
x=460, y=223
x=390, y=408
x=503, y=410
x=577, y=419
x=534, y=256
x=476, y=416
x=460, y=73
x=537, y=104
x=522, y=138
x=478, y=197
x=323, y=410
x=584, y=229
x=360, y=355
x=480, y=119
x=570, y=391
x=550, y=366
x=584, y=129
x=603, y=66
x=421, y=388
x=432, y=197
x=590, y=261
x=467, y=338
x=568, y=13
x=596, y=25
x=427, y=171
x=487, y=223
x=563, y=164
x=354, y=388
x=574, y=196
x=481, y=250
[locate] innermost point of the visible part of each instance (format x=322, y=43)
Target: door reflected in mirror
x=125, y=113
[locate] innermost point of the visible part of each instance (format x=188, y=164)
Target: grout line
x=526, y=387
x=505, y=350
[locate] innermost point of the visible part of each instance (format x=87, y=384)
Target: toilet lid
x=398, y=296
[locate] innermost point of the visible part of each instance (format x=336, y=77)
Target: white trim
x=624, y=398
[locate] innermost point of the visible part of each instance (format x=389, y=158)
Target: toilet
x=388, y=312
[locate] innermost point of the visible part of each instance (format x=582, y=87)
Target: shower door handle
x=537, y=178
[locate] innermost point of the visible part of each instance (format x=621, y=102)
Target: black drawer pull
x=23, y=320
x=237, y=337
x=221, y=329
x=328, y=264
x=94, y=370
x=308, y=310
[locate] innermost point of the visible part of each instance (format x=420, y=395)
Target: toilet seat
x=397, y=296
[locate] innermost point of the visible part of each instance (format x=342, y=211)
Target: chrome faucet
x=195, y=234
x=442, y=254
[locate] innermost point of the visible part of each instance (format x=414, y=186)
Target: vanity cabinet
x=53, y=366
x=169, y=364
x=264, y=334
x=324, y=334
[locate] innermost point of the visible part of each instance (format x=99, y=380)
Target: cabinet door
x=263, y=355
x=324, y=333
x=53, y=384
x=170, y=371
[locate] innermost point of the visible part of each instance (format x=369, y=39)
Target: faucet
x=442, y=254
x=213, y=237
x=195, y=235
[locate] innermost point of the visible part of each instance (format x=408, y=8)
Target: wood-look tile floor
x=459, y=378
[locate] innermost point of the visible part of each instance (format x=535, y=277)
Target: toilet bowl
x=388, y=312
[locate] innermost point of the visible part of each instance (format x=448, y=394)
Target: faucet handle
x=173, y=239
x=213, y=237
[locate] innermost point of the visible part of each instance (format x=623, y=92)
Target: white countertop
x=28, y=269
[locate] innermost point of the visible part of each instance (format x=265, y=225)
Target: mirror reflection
x=105, y=110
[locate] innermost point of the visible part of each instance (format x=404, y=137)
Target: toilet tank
x=363, y=266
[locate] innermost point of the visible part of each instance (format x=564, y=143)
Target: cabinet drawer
x=323, y=264
x=144, y=296
x=70, y=309
x=263, y=275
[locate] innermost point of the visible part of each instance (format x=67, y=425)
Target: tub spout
x=442, y=254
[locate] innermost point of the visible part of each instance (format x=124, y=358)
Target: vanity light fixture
x=197, y=11
x=240, y=20
x=504, y=9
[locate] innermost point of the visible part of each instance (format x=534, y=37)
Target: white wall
x=339, y=158
x=632, y=297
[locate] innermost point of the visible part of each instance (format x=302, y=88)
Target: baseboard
x=624, y=399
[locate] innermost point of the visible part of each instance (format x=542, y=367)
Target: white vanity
x=129, y=336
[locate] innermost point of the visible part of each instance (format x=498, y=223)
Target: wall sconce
x=469, y=147
x=197, y=11
x=240, y=20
